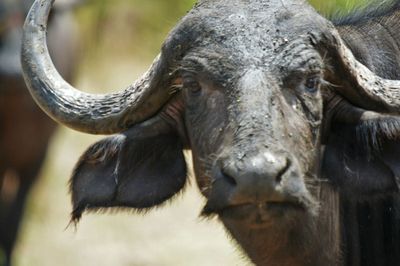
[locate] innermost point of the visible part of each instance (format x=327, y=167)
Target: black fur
x=128, y=171
x=361, y=154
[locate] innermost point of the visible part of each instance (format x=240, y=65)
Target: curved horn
x=90, y=113
x=360, y=85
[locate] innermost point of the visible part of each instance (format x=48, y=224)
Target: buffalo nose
x=256, y=178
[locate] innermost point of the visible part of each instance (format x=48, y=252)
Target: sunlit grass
x=329, y=6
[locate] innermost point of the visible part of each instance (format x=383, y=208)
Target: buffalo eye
x=312, y=84
x=191, y=85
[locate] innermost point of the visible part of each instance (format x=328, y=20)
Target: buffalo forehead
x=249, y=32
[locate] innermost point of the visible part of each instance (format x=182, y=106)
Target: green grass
x=329, y=6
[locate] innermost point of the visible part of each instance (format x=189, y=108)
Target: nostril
x=228, y=178
x=278, y=177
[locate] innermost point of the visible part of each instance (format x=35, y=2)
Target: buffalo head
x=253, y=89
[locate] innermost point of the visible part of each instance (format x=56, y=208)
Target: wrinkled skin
x=294, y=141
x=25, y=131
x=269, y=113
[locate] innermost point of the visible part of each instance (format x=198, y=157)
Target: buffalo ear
x=128, y=170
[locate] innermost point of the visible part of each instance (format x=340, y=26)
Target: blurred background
x=120, y=38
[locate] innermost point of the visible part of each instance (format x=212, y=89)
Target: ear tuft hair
x=370, y=129
x=100, y=151
x=372, y=132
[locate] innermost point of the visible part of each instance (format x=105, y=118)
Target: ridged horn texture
x=362, y=86
x=89, y=113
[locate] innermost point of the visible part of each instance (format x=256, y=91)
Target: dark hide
x=361, y=156
x=25, y=131
x=24, y=135
x=360, y=171
x=369, y=181
x=128, y=170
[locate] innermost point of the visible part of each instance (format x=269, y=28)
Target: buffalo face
x=255, y=138
x=253, y=114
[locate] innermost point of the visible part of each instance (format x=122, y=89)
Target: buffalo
x=292, y=120
x=25, y=130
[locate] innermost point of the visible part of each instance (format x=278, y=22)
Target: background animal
x=25, y=131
